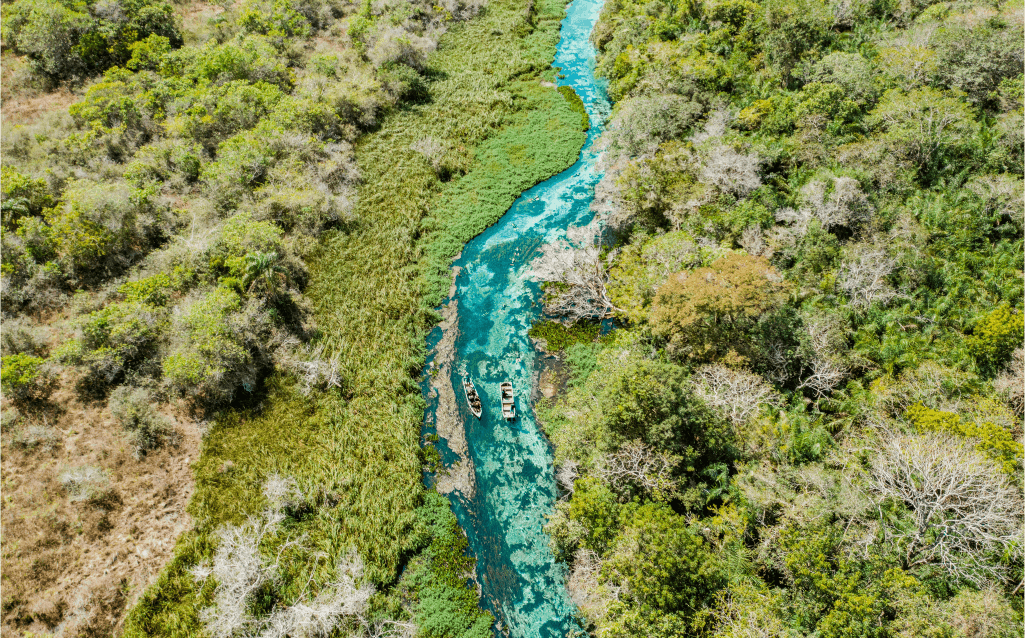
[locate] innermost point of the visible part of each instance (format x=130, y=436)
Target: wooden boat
x=472, y=398
x=508, y=402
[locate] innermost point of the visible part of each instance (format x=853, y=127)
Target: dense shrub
x=214, y=349
x=99, y=229
x=68, y=40
x=829, y=260
x=26, y=379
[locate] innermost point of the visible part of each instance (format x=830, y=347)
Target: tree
x=700, y=312
x=736, y=395
x=963, y=509
x=828, y=367
x=264, y=274
x=863, y=275
x=636, y=464
x=835, y=203
x=575, y=276
x=731, y=172
x=924, y=124
x=241, y=570
x=661, y=565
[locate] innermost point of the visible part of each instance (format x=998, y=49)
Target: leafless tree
x=843, y=205
x=576, y=276
x=281, y=491
x=753, y=241
x=431, y=149
x=863, y=275
x=241, y=569
x=566, y=475
x=828, y=366
x=343, y=597
x=735, y=394
x=584, y=589
x=963, y=508
x=311, y=365
x=637, y=464
x=835, y=204
x=730, y=171
x=1011, y=382
x=1003, y=195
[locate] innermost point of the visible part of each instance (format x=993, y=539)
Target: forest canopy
x=810, y=237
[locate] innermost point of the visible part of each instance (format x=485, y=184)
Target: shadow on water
x=513, y=486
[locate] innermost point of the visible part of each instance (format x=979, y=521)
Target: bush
x=976, y=60
x=134, y=410
x=214, y=342
x=174, y=161
x=216, y=113
x=241, y=236
x=20, y=336
x=22, y=195
x=86, y=483
x=995, y=337
x=26, y=379
x=66, y=40
x=101, y=228
x=117, y=338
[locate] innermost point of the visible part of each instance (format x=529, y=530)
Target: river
x=501, y=482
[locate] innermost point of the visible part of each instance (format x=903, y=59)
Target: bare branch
x=636, y=463
x=962, y=506
x=575, y=275
x=734, y=394
x=828, y=367
x=730, y=171
x=863, y=276
x=1010, y=384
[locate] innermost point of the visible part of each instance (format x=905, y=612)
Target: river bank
x=500, y=129
x=499, y=474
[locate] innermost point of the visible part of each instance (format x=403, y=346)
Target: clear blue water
x=515, y=486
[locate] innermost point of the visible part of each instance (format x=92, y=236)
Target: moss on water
x=372, y=290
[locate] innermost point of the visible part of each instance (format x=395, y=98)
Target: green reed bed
x=496, y=130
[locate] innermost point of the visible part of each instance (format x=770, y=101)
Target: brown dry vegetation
x=74, y=567
x=22, y=101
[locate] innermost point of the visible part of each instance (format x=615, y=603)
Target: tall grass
x=356, y=453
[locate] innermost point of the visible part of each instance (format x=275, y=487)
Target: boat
x=472, y=398
x=508, y=402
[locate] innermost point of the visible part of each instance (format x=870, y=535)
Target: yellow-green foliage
x=694, y=310
x=996, y=442
x=25, y=378
x=210, y=347
x=996, y=336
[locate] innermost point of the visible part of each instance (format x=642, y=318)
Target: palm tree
x=264, y=273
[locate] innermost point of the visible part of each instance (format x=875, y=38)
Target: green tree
x=264, y=274
x=662, y=565
x=925, y=125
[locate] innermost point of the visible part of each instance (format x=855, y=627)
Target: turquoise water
x=512, y=480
